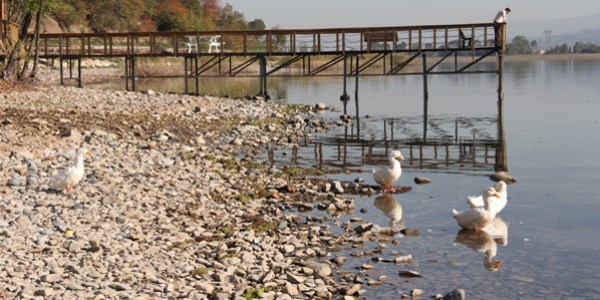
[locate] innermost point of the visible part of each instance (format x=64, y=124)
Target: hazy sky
x=291, y=14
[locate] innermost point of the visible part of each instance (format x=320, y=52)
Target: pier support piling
x=356, y=100
x=70, y=63
x=130, y=73
x=345, y=97
x=501, y=159
x=190, y=69
x=425, y=98
x=263, y=77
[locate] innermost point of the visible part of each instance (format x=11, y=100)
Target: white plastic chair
x=214, y=43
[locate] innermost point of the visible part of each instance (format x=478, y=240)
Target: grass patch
x=230, y=255
x=255, y=293
x=202, y=271
x=259, y=224
x=299, y=171
x=245, y=198
x=225, y=229
x=180, y=245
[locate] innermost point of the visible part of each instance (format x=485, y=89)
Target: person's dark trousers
x=498, y=34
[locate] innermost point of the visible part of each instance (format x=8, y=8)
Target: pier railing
x=271, y=42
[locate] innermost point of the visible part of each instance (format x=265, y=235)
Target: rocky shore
x=173, y=204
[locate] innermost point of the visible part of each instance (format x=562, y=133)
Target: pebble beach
x=174, y=202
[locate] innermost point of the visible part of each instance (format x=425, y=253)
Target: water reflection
x=454, y=144
x=486, y=241
x=391, y=209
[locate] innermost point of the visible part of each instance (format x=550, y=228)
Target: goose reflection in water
x=391, y=208
x=486, y=241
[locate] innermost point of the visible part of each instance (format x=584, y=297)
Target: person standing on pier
x=499, y=22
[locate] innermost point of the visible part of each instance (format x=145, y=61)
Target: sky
x=295, y=14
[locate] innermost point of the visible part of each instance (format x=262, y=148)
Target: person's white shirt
x=500, y=17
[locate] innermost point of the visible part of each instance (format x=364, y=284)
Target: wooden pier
x=233, y=53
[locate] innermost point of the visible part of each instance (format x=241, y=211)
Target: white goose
x=66, y=179
x=478, y=217
x=498, y=205
x=387, y=176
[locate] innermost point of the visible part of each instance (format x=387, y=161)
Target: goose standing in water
x=66, y=179
x=498, y=205
x=387, y=176
x=478, y=217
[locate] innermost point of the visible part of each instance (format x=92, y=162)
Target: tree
x=11, y=68
x=256, y=24
x=109, y=15
x=230, y=19
x=35, y=43
x=519, y=45
x=211, y=12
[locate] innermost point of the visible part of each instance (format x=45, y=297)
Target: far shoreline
x=569, y=56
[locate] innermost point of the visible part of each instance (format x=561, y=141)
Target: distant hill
x=566, y=30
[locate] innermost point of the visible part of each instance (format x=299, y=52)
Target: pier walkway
x=233, y=53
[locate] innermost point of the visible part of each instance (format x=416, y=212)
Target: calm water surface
x=551, y=124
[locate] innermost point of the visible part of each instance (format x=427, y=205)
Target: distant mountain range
x=549, y=33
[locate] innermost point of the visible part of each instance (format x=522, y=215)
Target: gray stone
x=324, y=271
x=458, y=294
x=50, y=278
x=295, y=279
x=15, y=180
x=422, y=180
x=205, y=287
x=44, y=292
x=117, y=286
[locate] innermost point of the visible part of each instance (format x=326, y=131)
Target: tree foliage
x=114, y=15
x=581, y=47
x=256, y=24
x=519, y=45
x=149, y=15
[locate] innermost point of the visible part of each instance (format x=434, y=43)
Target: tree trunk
x=37, y=40
x=11, y=69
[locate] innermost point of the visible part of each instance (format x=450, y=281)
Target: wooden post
x=79, y=81
x=263, y=77
x=197, y=75
x=425, y=97
x=126, y=73
x=62, y=76
x=501, y=157
x=345, y=97
x=133, y=73
x=130, y=72
x=356, y=100
x=185, y=73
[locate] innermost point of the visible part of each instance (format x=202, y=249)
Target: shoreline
x=167, y=208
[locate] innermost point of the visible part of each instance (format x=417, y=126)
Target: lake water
x=552, y=129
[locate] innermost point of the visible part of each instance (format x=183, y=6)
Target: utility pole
x=548, y=37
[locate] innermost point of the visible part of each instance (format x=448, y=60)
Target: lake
x=551, y=127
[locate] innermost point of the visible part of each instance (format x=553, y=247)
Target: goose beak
x=401, y=157
x=88, y=152
x=496, y=195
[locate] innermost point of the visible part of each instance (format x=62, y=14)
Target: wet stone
x=458, y=294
